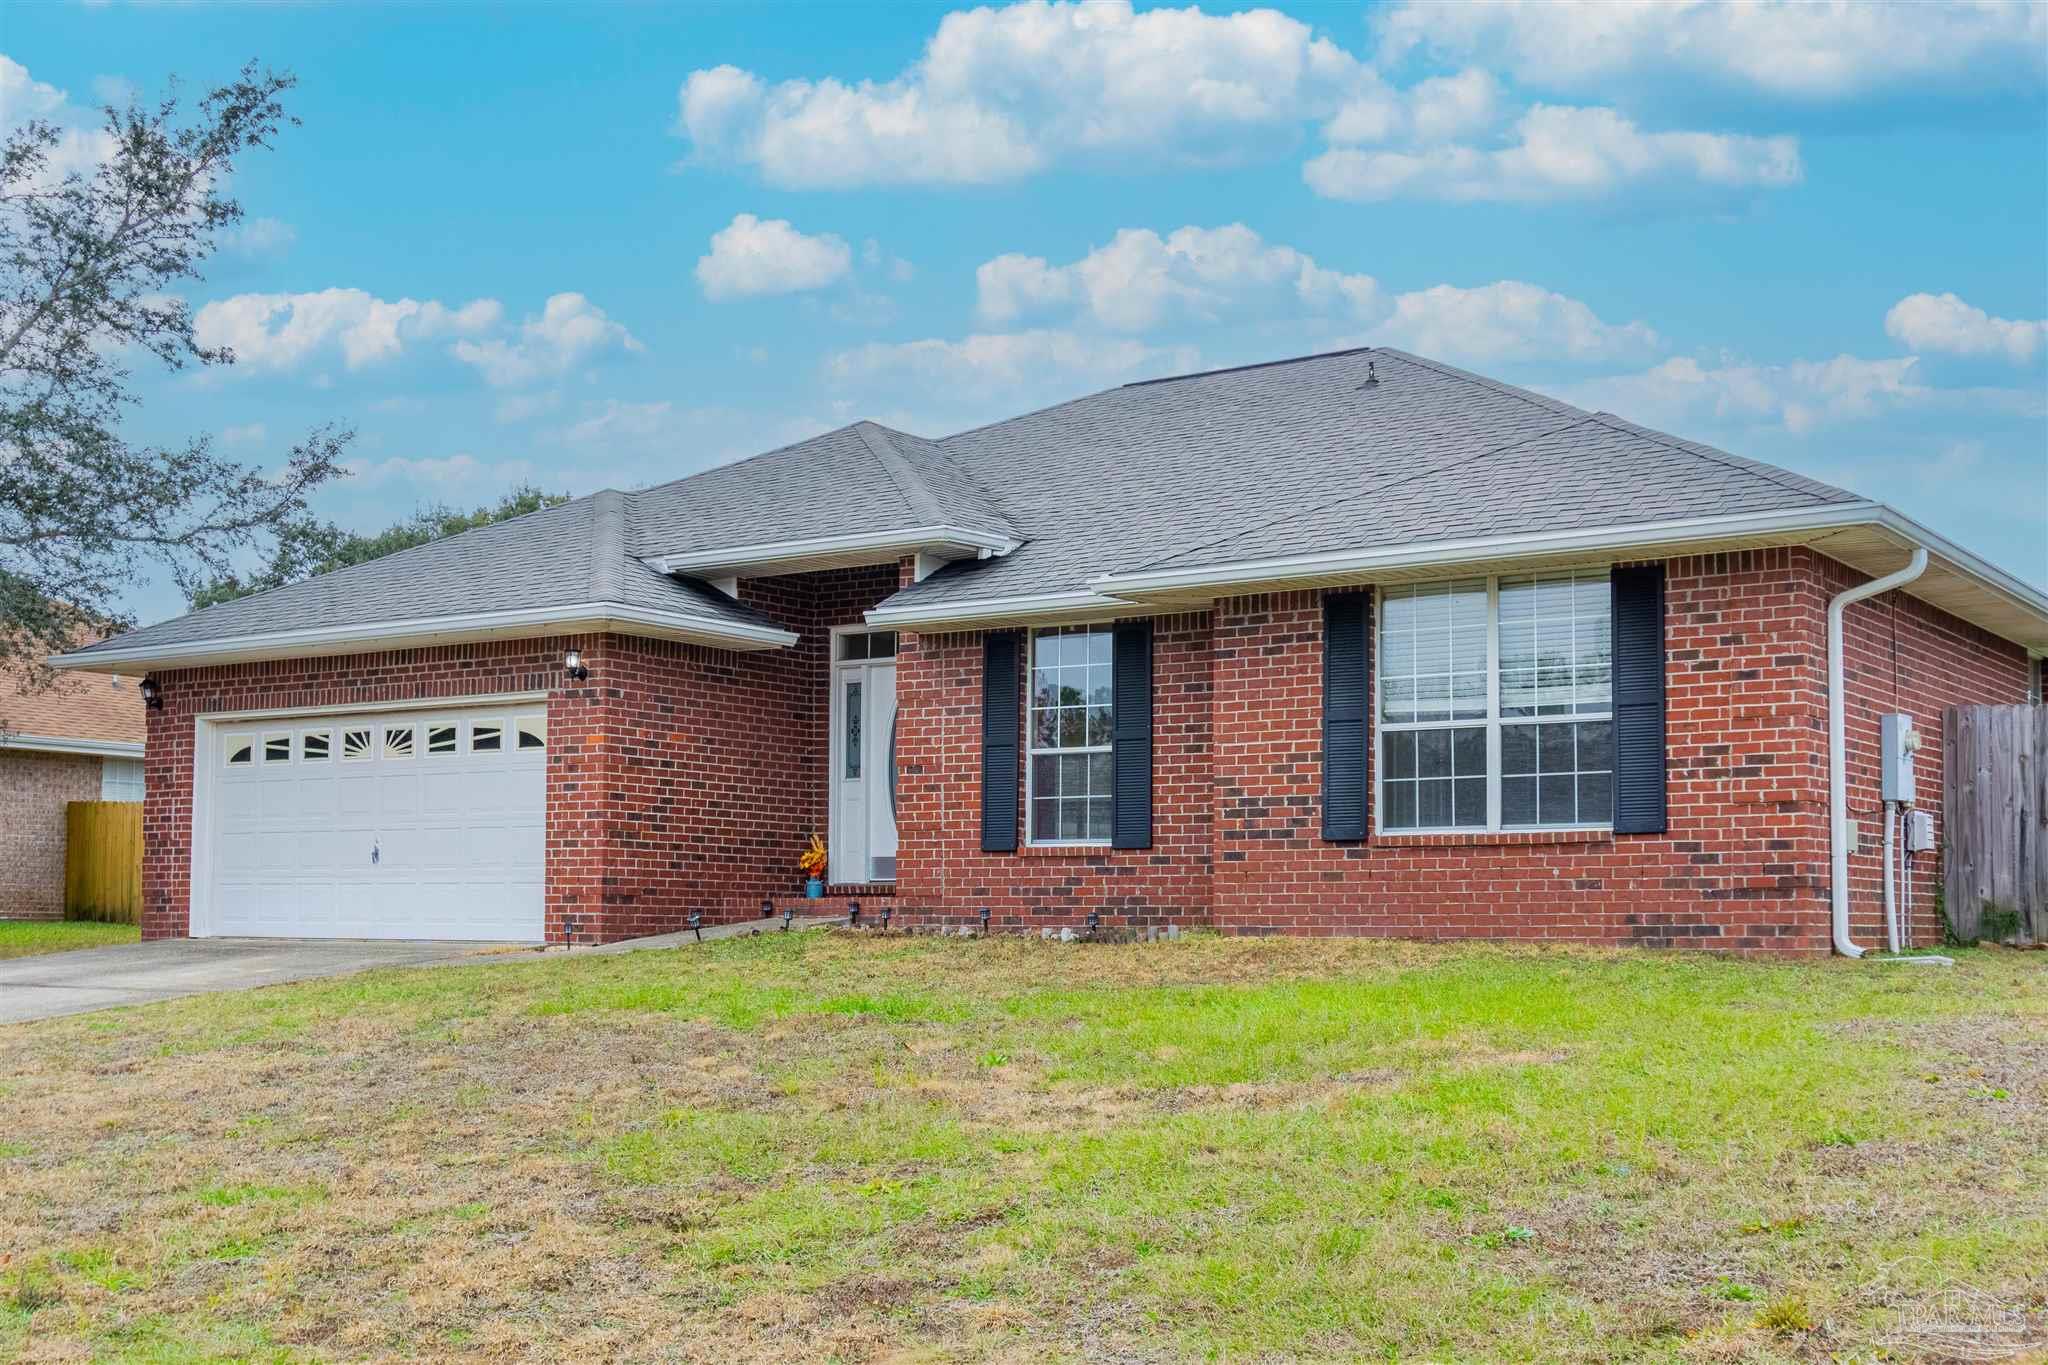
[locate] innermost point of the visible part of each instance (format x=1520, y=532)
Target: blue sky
x=611, y=247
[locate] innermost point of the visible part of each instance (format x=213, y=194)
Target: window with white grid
x=1496, y=703
x=1070, y=774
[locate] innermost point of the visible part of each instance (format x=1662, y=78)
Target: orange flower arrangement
x=812, y=863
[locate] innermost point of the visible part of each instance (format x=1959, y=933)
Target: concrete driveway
x=137, y=973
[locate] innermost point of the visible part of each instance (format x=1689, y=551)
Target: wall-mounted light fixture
x=767, y=908
x=152, y=693
x=573, y=665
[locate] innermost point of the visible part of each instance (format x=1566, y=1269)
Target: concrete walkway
x=51, y=984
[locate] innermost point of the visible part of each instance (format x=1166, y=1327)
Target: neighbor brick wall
x=34, y=790
x=1743, y=865
x=680, y=778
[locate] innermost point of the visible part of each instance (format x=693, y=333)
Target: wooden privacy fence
x=103, y=861
x=1995, y=821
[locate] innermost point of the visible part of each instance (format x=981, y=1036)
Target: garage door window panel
x=398, y=741
x=533, y=732
x=440, y=739
x=277, y=748
x=486, y=737
x=241, y=749
x=315, y=746
x=355, y=746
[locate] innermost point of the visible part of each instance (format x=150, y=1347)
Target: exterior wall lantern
x=573, y=665
x=152, y=693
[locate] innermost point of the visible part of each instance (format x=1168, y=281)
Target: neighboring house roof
x=1323, y=469
x=82, y=713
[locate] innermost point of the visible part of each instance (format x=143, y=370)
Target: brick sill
x=1493, y=839
x=1068, y=850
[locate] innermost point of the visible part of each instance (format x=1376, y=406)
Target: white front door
x=863, y=833
x=394, y=824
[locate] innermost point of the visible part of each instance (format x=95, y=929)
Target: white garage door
x=427, y=824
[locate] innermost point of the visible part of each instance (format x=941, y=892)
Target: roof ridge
x=920, y=499
x=607, y=544
x=1541, y=400
x=1374, y=490
x=1255, y=365
x=1729, y=459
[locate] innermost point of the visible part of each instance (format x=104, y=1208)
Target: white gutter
x=1644, y=536
x=1838, y=759
x=379, y=635
x=58, y=744
x=980, y=610
x=960, y=541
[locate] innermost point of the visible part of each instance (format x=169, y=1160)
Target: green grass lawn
x=24, y=938
x=829, y=1146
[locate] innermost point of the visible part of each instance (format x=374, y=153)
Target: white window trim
x=1031, y=752
x=1493, y=722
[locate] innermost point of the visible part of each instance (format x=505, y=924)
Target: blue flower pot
x=814, y=889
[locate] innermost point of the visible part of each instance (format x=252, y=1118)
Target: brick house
x=1351, y=644
x=80, y=740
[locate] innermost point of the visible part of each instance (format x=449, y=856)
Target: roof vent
x=1372, y=379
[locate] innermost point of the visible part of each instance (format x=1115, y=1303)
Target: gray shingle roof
x=559, y=556
x=864, y=477
x=1293, y=457
x=1296, y=457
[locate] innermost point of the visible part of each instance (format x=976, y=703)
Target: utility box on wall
x=1897, y=743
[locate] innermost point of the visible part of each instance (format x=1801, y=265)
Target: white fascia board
x=578, y=618
x=58, y=744
x=959, y=541
x=1643, y=537
x=977, y=611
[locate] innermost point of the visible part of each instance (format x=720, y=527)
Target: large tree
x=91, y=262
x=304, y=551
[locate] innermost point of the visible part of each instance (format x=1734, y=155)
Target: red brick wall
x=680, y=778
x=34, y=789
x=1743, y=865
x=943, y=873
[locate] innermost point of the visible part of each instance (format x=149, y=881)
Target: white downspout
x=1838, y=758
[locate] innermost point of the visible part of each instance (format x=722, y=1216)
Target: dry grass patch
x=840, y=1146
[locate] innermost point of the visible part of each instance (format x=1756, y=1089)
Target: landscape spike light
x=984, y=921
x=697, y=924
x=767, y=908
x=1094, y=922
x=887, y=912
x=853, y=914
x=788, y=914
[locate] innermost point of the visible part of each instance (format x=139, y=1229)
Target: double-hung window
x=1496, y=704
x=1070, y=776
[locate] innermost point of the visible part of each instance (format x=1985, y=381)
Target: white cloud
x=1799, y=396
x=260, y=237
x=613, y=422
x=752, y=256
x=1787, y=48
x=440, y=474
x=1003, y=92
x=1141, y=279
x=81, y=143
x=521, y=407
x=247, y=434
x=1008, y=360
x=568, y=329
x=1558, y=152
x=1510, y=321
x=280, y=331
x=115, y=90
x=1943, y=322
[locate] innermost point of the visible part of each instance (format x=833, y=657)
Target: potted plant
x=812, y=865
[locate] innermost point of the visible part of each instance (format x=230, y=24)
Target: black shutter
x=1130, y=818
x=1000, y=719
x=1639, y=806
x=1347, y=650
